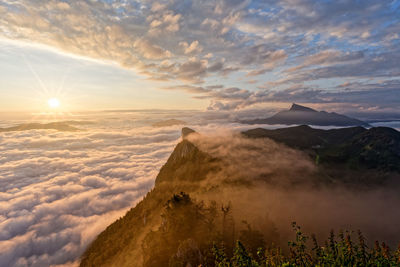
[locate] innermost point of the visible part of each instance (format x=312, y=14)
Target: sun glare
x=53, y=103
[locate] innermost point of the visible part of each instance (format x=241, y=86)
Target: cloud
x=168, y=21
x=347, y=96
x=328, y=57
x=151, y=51
x=190, y=48
x=192, y=70
x=261, y=31
x=283, y=43
x=189, y=88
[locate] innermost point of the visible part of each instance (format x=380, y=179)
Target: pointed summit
x=186, y=131
x=299, y=115
x=296, y=107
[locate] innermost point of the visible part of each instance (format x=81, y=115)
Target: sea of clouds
x=59, y=190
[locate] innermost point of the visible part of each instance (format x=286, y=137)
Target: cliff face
x=186, y=163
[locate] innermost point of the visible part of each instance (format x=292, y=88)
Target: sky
x=209, y=55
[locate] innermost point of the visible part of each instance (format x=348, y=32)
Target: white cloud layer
x=59, y=189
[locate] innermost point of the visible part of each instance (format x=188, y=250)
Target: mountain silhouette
x=298, y=114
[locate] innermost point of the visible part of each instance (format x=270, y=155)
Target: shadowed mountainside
x=376, y=148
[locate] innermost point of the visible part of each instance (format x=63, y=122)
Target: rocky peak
x=296, y=107
x=186, y=131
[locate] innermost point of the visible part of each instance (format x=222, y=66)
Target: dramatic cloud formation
x=264, y=47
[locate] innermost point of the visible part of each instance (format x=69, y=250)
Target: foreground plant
x=339, y=250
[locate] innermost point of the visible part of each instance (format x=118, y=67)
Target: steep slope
x=298, y=114
x=120, y=243
x=186, y=163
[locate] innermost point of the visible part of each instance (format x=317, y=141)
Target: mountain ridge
x=299, y=115
x=297, y=107
x=374, y=148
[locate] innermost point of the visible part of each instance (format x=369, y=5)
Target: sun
x=53, y=102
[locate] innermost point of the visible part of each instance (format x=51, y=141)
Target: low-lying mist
x=263, y=179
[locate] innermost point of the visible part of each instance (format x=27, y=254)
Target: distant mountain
x=298, y=114
x=59, y=126
x=170, y=122
x=376, y=148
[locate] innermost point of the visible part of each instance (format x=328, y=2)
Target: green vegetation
x=341, y=251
